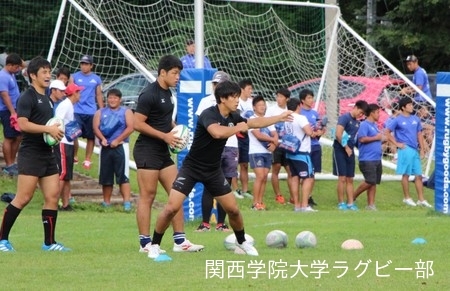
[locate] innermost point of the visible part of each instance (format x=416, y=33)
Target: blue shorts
x=260, y=160
x=302, y=168
x=229, y=162
x=8, y=131
x=85, y=122
x=243, y=145
x=343, y=165
x=316, y=158
x=408, y=162
x=112, y=163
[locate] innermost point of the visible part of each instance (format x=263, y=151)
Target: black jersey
x=206, y=151
x=156, y=103
x=38, y=109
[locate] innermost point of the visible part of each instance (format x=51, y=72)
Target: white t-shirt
x=296, y=128
x=255, y=146
x=274, y=110
x=246, y=107
x=65, y=112
x=207, y=102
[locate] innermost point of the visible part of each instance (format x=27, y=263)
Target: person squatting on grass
x=36, y=160
x=202, y=164
x=153, y=121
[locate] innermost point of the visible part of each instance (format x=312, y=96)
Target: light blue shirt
x=87, y=103
x=369, y=151
x=420, y=78
x=312, y=117
x=8, y=83
x=189, y=62
x=406, y=129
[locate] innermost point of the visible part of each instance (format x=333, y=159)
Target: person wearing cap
x=91, y=96
x=228, y=164
x=420, y=79
x=9, y=91
x=115, y=148
x=57, y=92
x=36, y=160
x=64, y=151
x=188, y=60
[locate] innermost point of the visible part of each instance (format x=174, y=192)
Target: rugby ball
x=352, y=244
x=305, y=239
x=181, y=131
x=230, y=241
x=47, y=137
x=277, y=239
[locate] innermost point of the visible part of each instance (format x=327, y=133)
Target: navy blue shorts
x=112, y=163
x=302, y=168
x=343, y=165
x=316, y=158
x=243, y=145
x=85, y=122
x=8, y=131
x=260, y=160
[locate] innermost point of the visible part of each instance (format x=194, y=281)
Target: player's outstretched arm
x=218, y=131
x=266, y=121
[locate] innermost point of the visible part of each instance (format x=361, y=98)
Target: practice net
x=269, y=44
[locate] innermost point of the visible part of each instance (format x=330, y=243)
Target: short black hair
x=293, y=104
x=63, y=71
x=245, y=82
x=361, y=104
x=13, y=59
x=36, y=64
x=304, y=93
x=284, y=91
x=372, y=108
x=115, y=92
x=226, y=89
x=169, y=62
x=403, y=102
x=257, y=99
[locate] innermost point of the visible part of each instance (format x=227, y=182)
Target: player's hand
x=242, y=127
x=286, y=116
x=55, y=131
x=104, y=142
x=171, y=139
x=271, y=147
x=348, y=150
x=401, y=145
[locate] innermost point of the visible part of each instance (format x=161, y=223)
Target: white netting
x=316, y=47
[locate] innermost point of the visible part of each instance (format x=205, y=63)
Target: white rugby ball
x=230, y=241
x=305, y=239
x=181, y=131
x=277, y=239
x=47, y=137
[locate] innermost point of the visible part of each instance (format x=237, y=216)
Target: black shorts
x=112, y=163
x=37, y=164
x=371, y=171
x=85, y=121
x=243, y=145
x=279, y=157
x=214, y=181
x=151, y=160
x=64, y=156
x=8, y=131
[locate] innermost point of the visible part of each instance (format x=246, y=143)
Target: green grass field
x=105, y=249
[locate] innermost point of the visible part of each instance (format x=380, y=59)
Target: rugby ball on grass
x=305, y=239
x=352, y=244
x=181, y=131
x=276, y=239
x=230, y=241
x=47, y=137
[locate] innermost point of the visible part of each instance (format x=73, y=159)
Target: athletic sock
x=144, y=240
x=49, y=222
x=9, y=217
x=179, y=237
x=207, y=205
x=157, y=238
x=240, y=235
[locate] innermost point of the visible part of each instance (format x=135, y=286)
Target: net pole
x=199, y=37
x=56, y=30
x=291, y=3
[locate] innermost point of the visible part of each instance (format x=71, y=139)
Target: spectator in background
x=369, y=139
x=9, y=91
x=57, y=92
x=64, y=151
x=409, y=141
x=188, y=60
x=245, y=108
x=344, y=154
x=114, y=155
x=279, y=156
x=307, y=103
x=420, y=79
x=63, y=74
x=85, y=109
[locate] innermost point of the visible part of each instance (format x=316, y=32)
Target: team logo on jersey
x=230, y=124
x=163, y=100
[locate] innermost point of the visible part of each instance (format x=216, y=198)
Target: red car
x=380, y=90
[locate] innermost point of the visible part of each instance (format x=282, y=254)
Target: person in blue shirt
x=420, y=79
x=369, y=140
x=91, y=96
x=344, y=155
x=409, y=141
x=9, y=92
x=188, y=60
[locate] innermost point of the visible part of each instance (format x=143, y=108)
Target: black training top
x=38, y=109
x=156, y=103
x=206, y=151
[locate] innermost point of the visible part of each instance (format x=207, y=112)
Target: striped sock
x=144, y=240
x=179, y=237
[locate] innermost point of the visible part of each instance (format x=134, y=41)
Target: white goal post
x=317, y=50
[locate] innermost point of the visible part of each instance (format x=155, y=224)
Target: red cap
x=72, y=88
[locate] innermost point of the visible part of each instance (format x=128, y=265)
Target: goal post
x=274, y=43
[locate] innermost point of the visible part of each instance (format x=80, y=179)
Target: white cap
x=58, y=84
